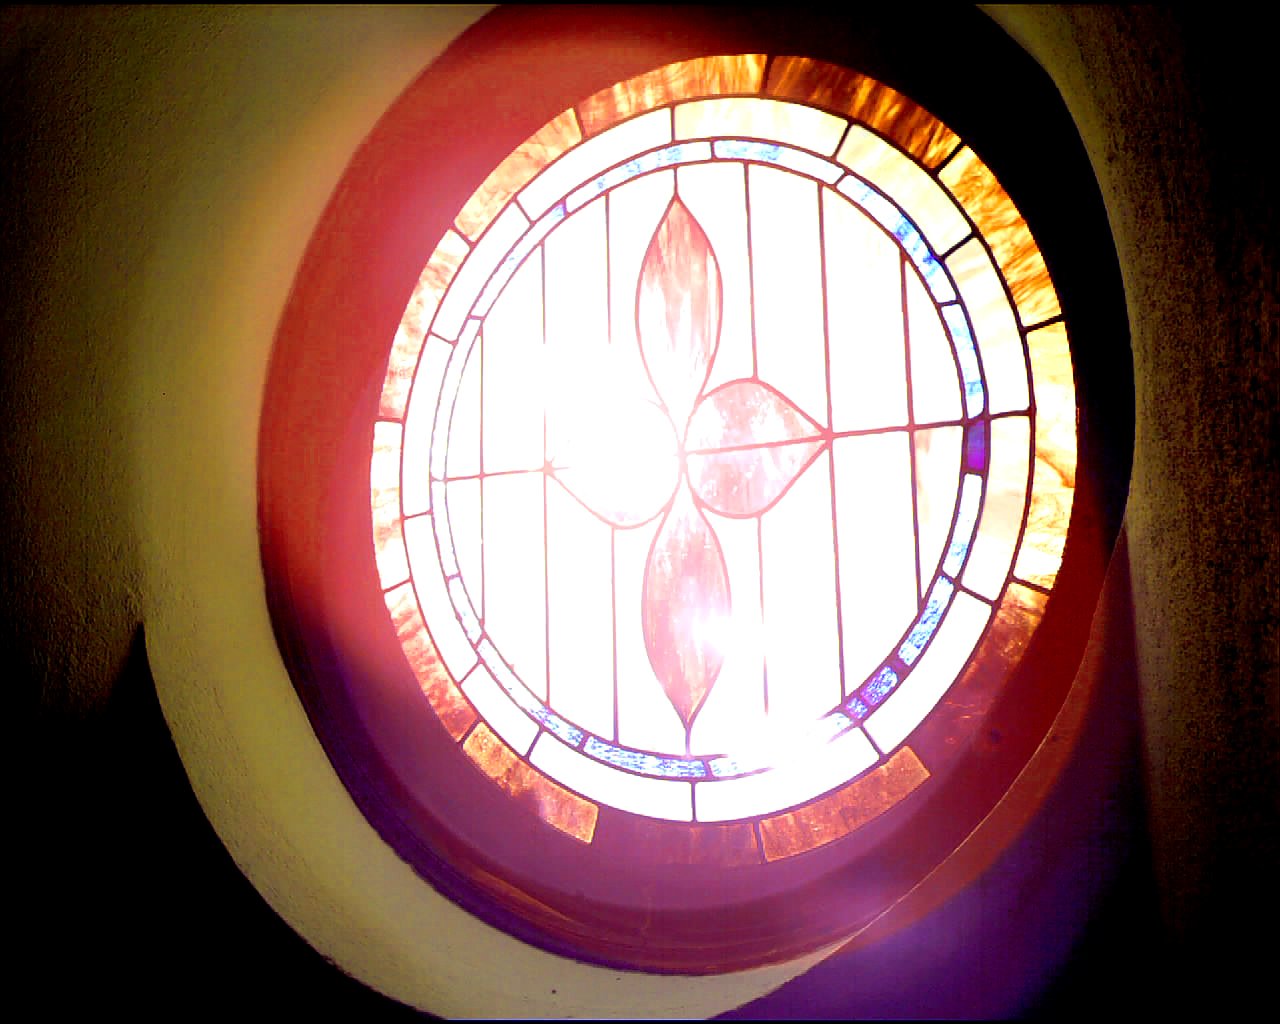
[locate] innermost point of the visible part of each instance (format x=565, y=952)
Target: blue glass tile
x=857, y=708
x=962, y=536
x=552, y=722
x=642, y=763
x=962, y=340
x=939, y=598
x=880, y=687
x=783, y=156
x=524, y=698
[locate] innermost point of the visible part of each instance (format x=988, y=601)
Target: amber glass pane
x=427, y=293
x=1053, y=486
x=850, y=807
x=863, y=99
x=453, y=710
x=985, y=200
x=516, y=171
x=555, y=805
x=706, y=76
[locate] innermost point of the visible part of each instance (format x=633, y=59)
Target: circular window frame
x=325, y=598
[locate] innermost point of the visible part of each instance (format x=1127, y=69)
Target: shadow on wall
x=138, y=904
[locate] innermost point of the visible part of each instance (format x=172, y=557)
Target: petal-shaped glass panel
x=678, y=310
x=685, y=609
x=746, y=444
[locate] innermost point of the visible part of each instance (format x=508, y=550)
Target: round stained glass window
x=720, y=473
x=716, y=436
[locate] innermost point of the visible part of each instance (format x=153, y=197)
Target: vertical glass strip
x=515, y=613
x=877, y=545
x=935, y=380
x=937, y=479
x=864, y=311
x=790, y=343
x=580, y=641
x=802, y=646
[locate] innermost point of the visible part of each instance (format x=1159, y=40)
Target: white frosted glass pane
x=515, y=609
x=937, y=485
x=907, y=184
x=654, y=798
x=474, y=274
x=716, y=196
x=864, y=310
x=801, y=643
x=774, y=120
x=415, y=485
x=437, y=608
x=593, y=156
x=795, y=782
x=463, y=498
x=1001, y=520
x=634, y=211
x=637, y=167
x=936, y=670
x=735, y=705
x=790, y=342
x=935, y=383
x=498, y=710
x=877, y=547
x=1003, y=362
x=513, y=375
x=579, y=612
x=462, y=455
x=646, y=718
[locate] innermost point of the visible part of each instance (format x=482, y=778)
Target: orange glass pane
x=967, y=701
x=427, y=294
x=864, y=99
x=850, y=807
x=1053, y=485
x=559, y=808
x=384, y=480
x=771, y=120
x=1016, y=252
x=725, y=845
x=453, y=710
x=706, y=76
x=516, y=171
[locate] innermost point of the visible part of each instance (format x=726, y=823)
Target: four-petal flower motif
x=736, y=450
